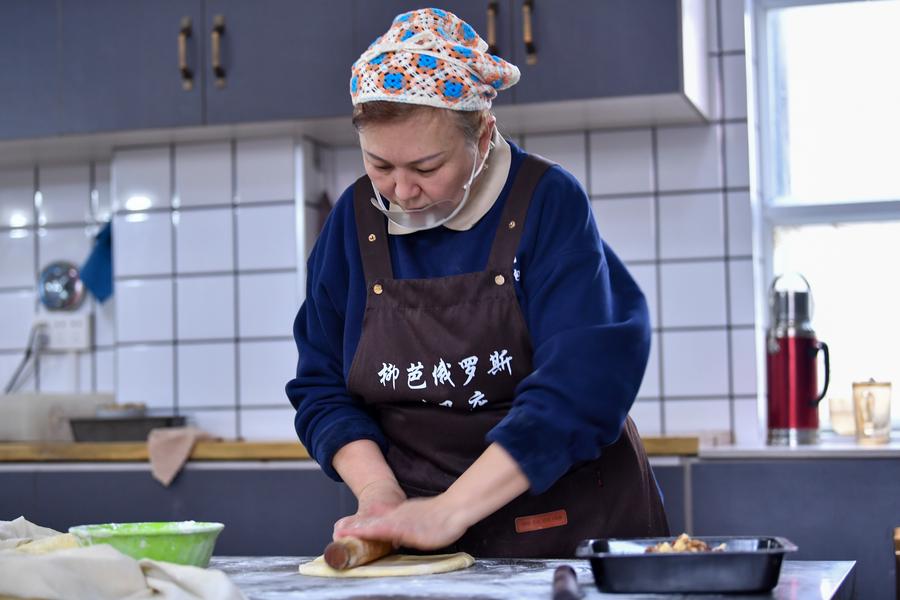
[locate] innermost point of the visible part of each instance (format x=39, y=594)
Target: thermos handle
x=824, y=348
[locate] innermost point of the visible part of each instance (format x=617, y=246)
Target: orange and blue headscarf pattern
x=431, y=57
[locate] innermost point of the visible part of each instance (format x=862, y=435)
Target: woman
x=469, y=347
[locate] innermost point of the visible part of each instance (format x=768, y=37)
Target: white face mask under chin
x=436, y=213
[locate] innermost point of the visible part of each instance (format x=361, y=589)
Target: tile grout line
x=174, y=263
x=92, y=183
x=35, y=188
x=657, y=249
x=723, y=162
x=236, y=290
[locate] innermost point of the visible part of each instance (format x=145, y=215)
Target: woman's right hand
x=374, y=500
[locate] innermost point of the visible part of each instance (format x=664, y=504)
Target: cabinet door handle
x=527, y=36
x=218, y=31
x=492, y=27
x=187, y=76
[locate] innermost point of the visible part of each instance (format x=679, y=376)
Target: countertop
x=830, y=446
x=276, y=578
x=235, y=450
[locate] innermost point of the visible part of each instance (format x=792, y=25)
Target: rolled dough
x=395, y=565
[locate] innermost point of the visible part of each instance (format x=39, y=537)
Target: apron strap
x=512, y=223
x=371, y=232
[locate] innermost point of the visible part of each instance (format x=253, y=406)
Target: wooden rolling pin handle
x=350, y=552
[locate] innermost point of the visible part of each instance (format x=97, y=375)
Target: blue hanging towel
x=97, y=272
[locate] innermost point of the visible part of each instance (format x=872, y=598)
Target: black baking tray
x=748, y=565
x=130, y=429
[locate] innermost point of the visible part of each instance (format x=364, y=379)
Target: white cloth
x=99, y=572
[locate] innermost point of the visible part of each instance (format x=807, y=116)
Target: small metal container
x=133, y=429
x=748, y=565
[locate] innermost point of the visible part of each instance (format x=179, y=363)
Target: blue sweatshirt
x=587, y=319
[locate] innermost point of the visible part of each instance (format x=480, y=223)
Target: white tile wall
x=266, y=237
x=220, y=423
x=197, y=335
x=743, y=361
x=268, y=424
x=740, y=226
x=650, y=383
x=696, y=169
x=62, y=373
x=206, y=375
x=142, y=244
x=645, y=276
x=697, y=416
x=142, y=178
x=695, y=363
x=628, y=225
x=265, y=369
x=17, y=197
x=265, y=170
x=65, y=194
x=691, y=226
x=621, y=162
x=646, y=414
x=741, y=278
x=203, y=174
x=146, y=374
x=144, y=310
x=72, y=244
x=105, y=361
x=693, y=294
x=204, y=240
x=9, y=362
x=567, y=149
x=737, y=167
x=205, y=307
x=735, y=86
x=267, y=304
x=17, y=309
x=17, y=269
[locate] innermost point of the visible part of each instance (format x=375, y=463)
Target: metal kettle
x=792, y=373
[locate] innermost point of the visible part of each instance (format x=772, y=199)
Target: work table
x=276, y=578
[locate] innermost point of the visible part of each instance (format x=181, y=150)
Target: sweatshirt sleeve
x=590, y=330
x=328, y=416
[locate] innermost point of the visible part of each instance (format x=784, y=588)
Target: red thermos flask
x=791, y=360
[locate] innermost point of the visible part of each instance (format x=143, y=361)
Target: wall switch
x=67, y=332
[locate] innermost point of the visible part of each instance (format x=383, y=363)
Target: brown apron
x=438, y=362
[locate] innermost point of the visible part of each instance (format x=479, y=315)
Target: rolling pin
x=350, y=552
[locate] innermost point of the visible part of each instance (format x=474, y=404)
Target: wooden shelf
x=233, y=451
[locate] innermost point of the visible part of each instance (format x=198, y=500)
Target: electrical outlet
x=67, y=332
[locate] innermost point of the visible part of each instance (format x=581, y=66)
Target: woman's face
x=420, y=160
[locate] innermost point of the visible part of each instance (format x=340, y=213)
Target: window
x=828, y=154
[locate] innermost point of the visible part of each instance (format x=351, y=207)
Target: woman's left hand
x=423, y=523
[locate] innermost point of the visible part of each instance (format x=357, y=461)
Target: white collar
x=490, y=184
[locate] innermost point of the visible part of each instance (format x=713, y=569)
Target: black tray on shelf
x=747, y=564
x=128, y=429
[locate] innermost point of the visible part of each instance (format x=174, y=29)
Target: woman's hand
x=376, y=499
x=423, y=523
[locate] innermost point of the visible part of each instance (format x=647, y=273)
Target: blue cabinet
x=277, y=59
x=120, y=65
x=29, y=62
x=579, y=49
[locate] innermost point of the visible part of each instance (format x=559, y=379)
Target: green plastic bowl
x=182, y=542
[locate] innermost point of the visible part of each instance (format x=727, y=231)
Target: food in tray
x=684, y=543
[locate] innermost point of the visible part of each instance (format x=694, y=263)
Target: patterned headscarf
x=431, y=57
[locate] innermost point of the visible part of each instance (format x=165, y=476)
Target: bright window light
x=833, y=80
x=850, y=268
